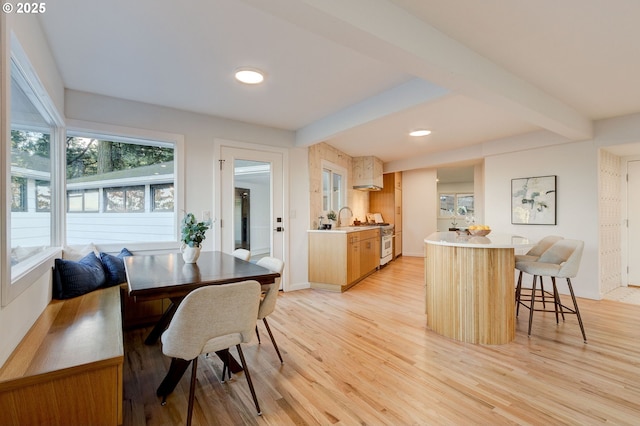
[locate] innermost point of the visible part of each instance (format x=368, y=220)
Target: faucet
x=340, y=211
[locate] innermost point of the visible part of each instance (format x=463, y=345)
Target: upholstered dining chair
x=561, y=260
x=209, y=319
x=270, y=295
x=242, y=254
x=533, y=255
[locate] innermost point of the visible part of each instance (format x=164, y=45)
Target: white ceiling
x=360, y=74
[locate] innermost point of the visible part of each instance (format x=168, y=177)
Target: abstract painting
x=533, y=200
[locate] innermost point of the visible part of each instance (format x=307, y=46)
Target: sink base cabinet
x=337, y=261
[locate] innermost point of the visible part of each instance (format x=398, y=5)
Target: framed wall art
x=533, y=200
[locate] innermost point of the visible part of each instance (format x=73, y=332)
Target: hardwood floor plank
x=366, y=356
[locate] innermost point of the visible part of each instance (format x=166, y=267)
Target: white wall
x=419, y=215
x=577, y=200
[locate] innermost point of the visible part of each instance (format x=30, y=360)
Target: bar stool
x=531, y=256
x=561, y=260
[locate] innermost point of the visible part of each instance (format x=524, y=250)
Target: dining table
x=160, y=276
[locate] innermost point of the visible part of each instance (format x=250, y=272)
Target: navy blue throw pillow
x=71, y=279
x=114, y=267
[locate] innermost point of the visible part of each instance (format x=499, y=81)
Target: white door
x=633, y=207
x=262, y=220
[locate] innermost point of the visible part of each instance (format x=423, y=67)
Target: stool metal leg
x=577, y=311
x=533, y=299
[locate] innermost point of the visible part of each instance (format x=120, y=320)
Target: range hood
x=367, y=173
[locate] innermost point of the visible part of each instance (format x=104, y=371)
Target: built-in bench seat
x=68, y=368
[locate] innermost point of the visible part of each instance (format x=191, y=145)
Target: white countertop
x=346, y=229
x=492, y=240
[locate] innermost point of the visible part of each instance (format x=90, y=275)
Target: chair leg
x=575, y=307
x=192, y=389
x=273, y=340
x=258, y=334
x=556, y=294
x=246, y=373
x=518, y=291
x=533, y=299
x=544, y=300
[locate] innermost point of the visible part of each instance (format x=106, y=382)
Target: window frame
x=142, y=136
x=15, y=280
x=455, y=212
x=333, y=169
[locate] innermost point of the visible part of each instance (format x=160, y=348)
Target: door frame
x=217, y=185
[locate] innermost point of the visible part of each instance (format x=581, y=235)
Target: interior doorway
x=242, y=213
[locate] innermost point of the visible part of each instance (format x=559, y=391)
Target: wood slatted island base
x=470, y=286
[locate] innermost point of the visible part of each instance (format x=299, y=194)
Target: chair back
x=268, y=303
x=567, y=254
x=209, y=312
x=543, y=245
x=242, y=254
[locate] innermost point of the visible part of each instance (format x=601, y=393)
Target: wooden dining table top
x=167, y=275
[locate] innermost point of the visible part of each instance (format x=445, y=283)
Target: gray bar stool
x=561, y=260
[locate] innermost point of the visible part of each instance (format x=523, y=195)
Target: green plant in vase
x=192, y=236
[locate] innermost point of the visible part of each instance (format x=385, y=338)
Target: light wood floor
x=366, y=357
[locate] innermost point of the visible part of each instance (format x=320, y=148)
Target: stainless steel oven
x=386, y=244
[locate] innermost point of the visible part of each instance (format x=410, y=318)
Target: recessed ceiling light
x=249, y=75
x=420, y=132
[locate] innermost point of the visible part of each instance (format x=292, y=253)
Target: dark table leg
x=176, y=370
x=234, y=366
x=179, y=366
x=163, y=322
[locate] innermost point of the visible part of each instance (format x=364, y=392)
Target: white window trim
x=16, y=281
x=325, y=164
x=105, y=131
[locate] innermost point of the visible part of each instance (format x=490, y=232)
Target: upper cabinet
x=367, y=173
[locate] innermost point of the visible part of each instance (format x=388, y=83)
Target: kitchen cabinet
x=339, y=259
x=388, y=202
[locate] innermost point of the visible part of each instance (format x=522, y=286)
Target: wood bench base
x=68, y=367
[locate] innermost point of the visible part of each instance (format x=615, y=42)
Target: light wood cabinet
x=339, y=260
x=388, y=202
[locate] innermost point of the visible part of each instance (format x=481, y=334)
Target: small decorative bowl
x=479, y=232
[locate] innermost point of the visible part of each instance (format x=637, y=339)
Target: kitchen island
x=470, y=289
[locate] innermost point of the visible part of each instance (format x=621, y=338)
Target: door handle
x=279, y=229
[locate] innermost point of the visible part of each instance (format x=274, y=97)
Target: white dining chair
x=209, y=319
x=242, y=254
x=269, y=297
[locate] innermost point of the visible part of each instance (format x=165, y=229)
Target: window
x=333, y=187
x=124, y=199
x=32, y=127
x=18, y=194
x=452, y=205
x=43, y=196
x=119, y=189
x=83, y=200
x=162, y=196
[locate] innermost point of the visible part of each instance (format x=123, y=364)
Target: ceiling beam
x=390, y=34
x=407, y=95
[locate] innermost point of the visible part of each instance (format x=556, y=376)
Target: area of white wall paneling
x=610, y=220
